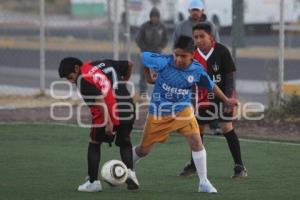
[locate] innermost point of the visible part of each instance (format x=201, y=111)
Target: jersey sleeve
x=120, y=66
x=154, y=61
x=227, y=61
x=205, y=81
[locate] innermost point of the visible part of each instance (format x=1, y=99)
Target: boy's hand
x=109, y=128
x=232, y=102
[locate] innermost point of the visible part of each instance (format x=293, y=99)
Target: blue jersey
x=172, y=89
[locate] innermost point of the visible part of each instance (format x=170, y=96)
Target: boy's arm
x=127, y=76
x=154, y=61
x=205, y=81
x=103, y=107
x=229, y=89
x=122, y=68
x=230, y=71
x=229, y=101
x=148, y=76
x=230, y=84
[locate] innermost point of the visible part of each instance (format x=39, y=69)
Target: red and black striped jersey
x=218, y=63
x=95, y=84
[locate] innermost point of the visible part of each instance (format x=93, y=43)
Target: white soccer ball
x=114, y=172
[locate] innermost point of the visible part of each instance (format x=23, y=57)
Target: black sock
x=234, y=146
x=126, y=155
x=93, y=157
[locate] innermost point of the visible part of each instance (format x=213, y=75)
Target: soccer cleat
x=188, y=170
x=206, y=186
x=240, y=171
x=132, y=182
x=90, y=187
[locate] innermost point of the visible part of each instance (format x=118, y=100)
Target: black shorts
x=122, y=135
x=212, y=113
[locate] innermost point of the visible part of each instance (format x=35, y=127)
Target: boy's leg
x=97, y=136
x=199, y=157
x=203, y=119
x=93, y=158
x=190, y=168
x=156, y=130
x=124, y=142
x=234, y=147
x=139, y=152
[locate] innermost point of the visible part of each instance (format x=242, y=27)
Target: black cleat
x=188, y=170
x=239, y=172
x=132, y=181
x=131, y=185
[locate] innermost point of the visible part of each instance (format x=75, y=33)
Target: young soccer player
x=103, y=86
x=219, y=65
x=170, y=109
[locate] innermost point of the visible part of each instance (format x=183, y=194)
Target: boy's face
x=73, y=76
x=183, y=58
x=202, y=39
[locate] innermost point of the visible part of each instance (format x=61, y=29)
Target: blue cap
x=196, y=4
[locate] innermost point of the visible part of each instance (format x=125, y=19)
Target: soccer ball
x=114, y=172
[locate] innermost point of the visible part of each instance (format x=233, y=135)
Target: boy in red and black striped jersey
x=219, y=65
x=102, y=85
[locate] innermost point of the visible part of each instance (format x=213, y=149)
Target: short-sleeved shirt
x=91, y=79
x=217, y=62
x=113, y=71
x=172, y=89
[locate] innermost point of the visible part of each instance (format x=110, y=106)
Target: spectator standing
x=152, y=37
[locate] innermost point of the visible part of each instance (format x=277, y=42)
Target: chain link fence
x=70, y=30
x=85, y=30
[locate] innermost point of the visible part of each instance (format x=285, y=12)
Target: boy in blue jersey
x=170, y=108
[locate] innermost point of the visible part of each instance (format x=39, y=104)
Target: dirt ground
x=28, y=109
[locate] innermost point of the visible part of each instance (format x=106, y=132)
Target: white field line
x=259, y=141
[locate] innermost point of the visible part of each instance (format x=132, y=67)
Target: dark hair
x=186, y=43
x=154, y=12
x=67, y=66
x=203, y=26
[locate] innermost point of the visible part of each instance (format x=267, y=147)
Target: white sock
x=199, y=158
x=135, y=157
